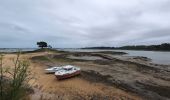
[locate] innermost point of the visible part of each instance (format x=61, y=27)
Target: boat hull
x=60, y=77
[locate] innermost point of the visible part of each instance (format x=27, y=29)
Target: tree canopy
x=42, y=44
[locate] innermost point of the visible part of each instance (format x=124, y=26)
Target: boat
x=67, y=72
x=52, y=69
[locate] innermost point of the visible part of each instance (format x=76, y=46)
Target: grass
x=36, y=51
x=44, y=50
x=13, y=82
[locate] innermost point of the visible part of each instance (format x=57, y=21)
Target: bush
x=13, y=81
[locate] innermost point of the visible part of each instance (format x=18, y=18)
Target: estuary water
x=158, y=57
x=16, y=49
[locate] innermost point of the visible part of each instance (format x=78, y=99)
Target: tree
x=42, y=44
x=49, y=46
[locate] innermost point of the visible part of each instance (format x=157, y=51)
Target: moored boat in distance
x=67, y=72
x=52, y=69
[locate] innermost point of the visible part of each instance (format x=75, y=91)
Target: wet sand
x=105, y=76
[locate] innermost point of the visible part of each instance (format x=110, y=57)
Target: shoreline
x=140, y=69
x=130, y=49
x=126, y=53
x=118, y=76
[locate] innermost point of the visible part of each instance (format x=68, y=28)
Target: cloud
x=81, y=23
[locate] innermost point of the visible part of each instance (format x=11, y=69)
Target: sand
x=113, y=79
x=47, y=87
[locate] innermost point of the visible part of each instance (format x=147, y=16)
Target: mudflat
x=104, y=76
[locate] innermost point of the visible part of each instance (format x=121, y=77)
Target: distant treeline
x=161, y=47
x=99, y=48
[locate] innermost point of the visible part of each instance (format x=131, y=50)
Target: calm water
x=16, y=49
x=156, y=56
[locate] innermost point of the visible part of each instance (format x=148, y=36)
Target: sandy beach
x=104, y=76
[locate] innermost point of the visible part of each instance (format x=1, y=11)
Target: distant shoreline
x=14, y=50
x=127, y=49
x=161, y=47
x=165, y=47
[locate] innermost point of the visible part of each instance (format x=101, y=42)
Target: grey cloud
x=80, y=23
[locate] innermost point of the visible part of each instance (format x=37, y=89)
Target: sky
x=83, y=23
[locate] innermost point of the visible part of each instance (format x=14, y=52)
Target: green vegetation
x=161, y=47
x=42, y=44
x=13, y=82
x=42, y=50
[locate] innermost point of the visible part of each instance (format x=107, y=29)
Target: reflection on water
x=158, y=57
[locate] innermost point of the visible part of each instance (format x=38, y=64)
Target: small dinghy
x=67, y=72
x=52, y=69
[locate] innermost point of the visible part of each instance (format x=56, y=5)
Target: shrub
x=13, y=81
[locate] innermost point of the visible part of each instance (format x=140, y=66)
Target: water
x=16, y=49
x=158, y=57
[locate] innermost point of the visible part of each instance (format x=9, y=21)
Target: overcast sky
x=84, y=23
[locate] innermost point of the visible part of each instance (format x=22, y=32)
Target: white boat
x=67, y=72
x=52, y=69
